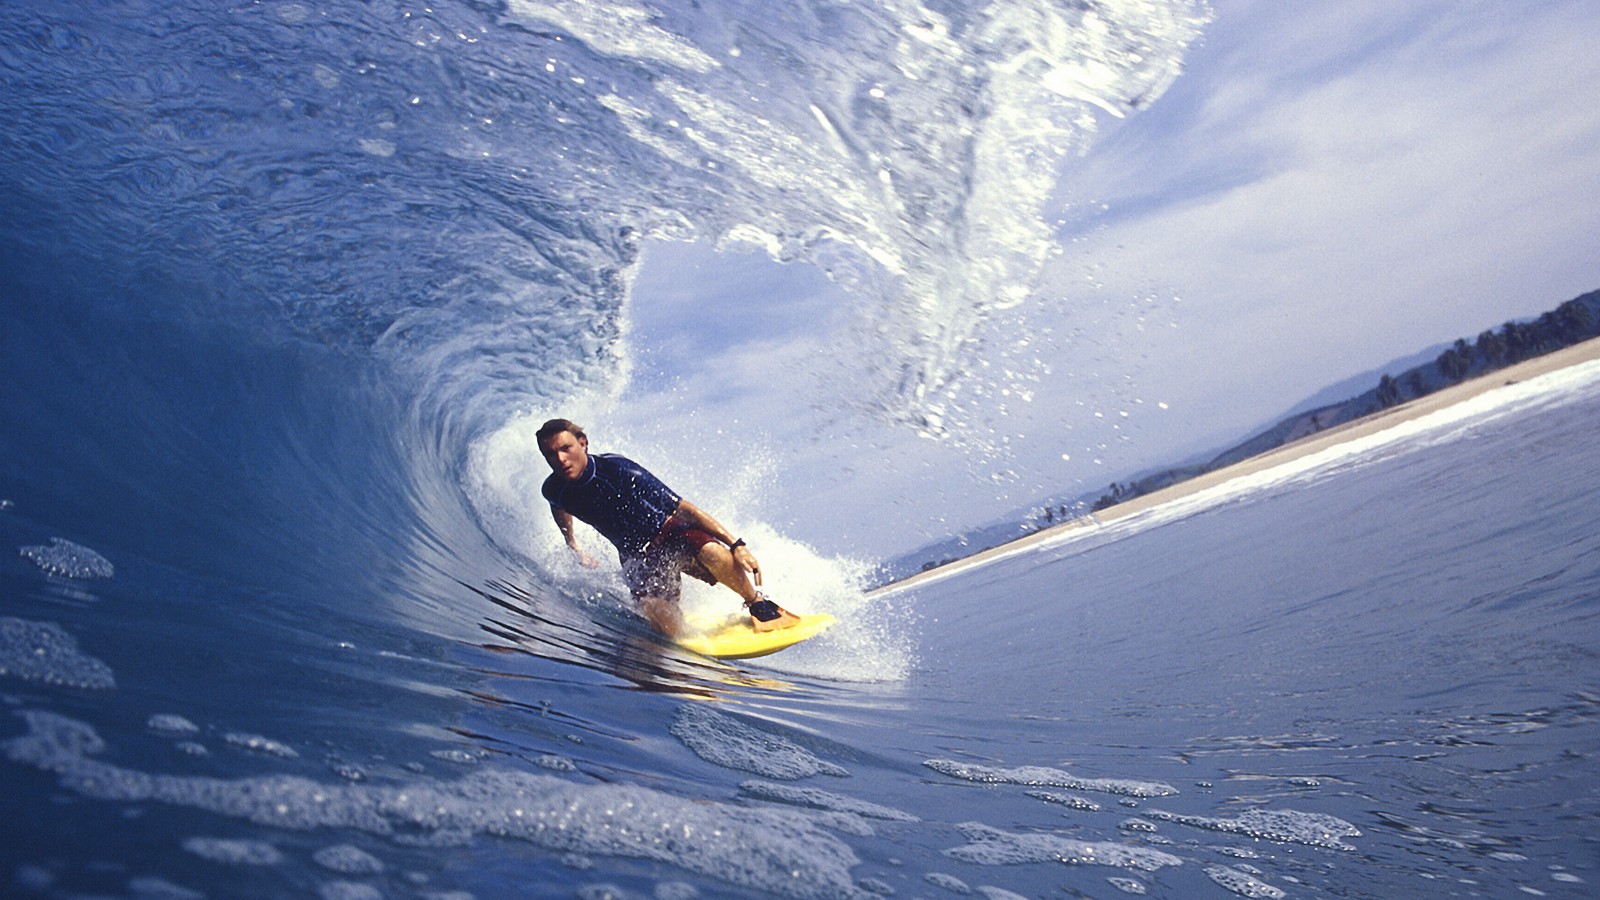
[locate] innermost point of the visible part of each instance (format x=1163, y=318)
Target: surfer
x=659, y=536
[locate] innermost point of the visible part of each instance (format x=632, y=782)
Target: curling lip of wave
x=464, y=189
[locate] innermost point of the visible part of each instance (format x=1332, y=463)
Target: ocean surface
x=285, y=289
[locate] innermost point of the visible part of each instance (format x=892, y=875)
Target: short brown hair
x=555, y=426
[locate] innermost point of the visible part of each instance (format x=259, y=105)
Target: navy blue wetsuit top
x=618, y=497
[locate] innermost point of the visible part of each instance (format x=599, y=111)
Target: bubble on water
x=725, y=741
x=949, y=882
x=844, y=823
x=349, y=859
x=1243, y=884
x=42, y=651
x=816, y=798
x=993, y=847
x=1069, y=800
x=1041, y=776
x=1508, y=856
x=718, y=840
x=555, y=763
x=676, y=890
x=160, y=889
x=169, y=723
x=261, y=744
x=349, y=890
x=68, y=560
x=878, y=887
x=994, y=893
x=234, y=852
x=1281, y=825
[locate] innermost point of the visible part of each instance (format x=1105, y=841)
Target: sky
x=1328, y=188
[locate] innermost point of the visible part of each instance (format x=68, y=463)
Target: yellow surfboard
x=735, y=639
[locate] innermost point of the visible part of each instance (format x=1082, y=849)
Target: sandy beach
x=1550, y=362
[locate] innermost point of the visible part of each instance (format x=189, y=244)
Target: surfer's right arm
x=564, y=522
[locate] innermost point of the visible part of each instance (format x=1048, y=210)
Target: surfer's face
x=567, y=455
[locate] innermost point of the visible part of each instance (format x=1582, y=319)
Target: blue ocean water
x=284, y=286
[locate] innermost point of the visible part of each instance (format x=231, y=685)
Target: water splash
x=464, y=190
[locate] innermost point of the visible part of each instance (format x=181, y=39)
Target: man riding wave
x=659, y=536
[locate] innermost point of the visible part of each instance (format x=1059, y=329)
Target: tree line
x=1570, y=323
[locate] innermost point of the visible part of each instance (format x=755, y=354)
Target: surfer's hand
x=747, y=560
x=586, y=560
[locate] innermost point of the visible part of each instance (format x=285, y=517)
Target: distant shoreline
x=1557, y=360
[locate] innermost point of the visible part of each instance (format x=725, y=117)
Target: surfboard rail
x=737, y=639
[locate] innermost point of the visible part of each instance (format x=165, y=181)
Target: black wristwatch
x=736, y=544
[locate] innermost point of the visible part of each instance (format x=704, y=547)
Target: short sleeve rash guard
x=617, y=497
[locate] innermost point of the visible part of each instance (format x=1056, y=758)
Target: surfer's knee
x=716, y=557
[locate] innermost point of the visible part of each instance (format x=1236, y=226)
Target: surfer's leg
x=656, y=587
x=718, y=560
x=663, y=615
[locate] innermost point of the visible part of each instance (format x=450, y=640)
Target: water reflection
x=643, y=659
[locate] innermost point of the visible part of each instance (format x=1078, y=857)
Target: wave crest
x=464, y=190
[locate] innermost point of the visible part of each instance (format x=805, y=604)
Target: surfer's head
x=565, y=447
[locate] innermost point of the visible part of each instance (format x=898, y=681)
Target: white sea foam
x=234, y=852
x=1041, y=776
x=1243, y=883
x=171, y=723
x=151, y=888
x=349, y=859
x=948, y=882
x=816, y=798
x=731, y=743
x=993, y=847
x=1281, y=825
x=1070, y=800
x=66, y=559
x=348, y=890
x=717, y=840
x=43, y=652
x=261, y=744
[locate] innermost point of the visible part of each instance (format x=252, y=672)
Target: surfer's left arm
x=702, y=520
